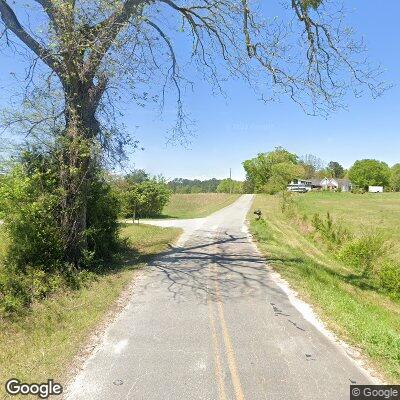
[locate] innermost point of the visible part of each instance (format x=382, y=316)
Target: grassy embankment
x=365, y=318
x=41, y=345
x=197, y=205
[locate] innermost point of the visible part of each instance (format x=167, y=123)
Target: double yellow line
x=229, y=350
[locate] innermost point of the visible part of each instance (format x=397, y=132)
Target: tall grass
x=358, y=311
x=3, y=242
x=364, y=252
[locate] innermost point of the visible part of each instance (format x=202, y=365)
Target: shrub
x=287, y=203
x=34, y=264
x=331, y=231
x=146, y=199
x=389, y=276
x=30, y=221
x=363, y=252
x=261, y=230
x=14, y=294
x=18, y=290
x=357, y=190
x=102, y=221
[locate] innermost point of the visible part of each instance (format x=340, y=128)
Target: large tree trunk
x=77, y=170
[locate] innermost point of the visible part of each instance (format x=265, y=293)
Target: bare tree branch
x=106, y=32
x=11, y=22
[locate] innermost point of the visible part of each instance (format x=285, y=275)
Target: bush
x=14, y=294
x=362, y=253
x=19, y=290
x=331, y=231
x=287, y=203
x=261, y=230
x=34, y=265
x=30, y=221
x=389, y=276
x=357, y=190
x=102, y=221
x=157, y=196
x=146, y=199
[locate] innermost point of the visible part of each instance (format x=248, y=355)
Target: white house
x=336, y=184
x=306, y=185
x=375, y=189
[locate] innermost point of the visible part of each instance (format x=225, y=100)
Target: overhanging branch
x=12, y=23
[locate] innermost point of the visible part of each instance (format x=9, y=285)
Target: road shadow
x=227, y=267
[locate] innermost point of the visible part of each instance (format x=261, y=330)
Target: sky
x=231, y=129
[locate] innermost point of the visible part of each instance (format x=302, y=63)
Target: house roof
x=343, y=182
x=340, y=182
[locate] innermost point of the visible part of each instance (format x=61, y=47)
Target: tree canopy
x=145, y=198
x=336, y=170
x=271, y=172
x=395, y=177
x=86, y=56
x=369, y=172
x=230, y=186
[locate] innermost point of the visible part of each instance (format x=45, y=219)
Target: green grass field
x=359, y=213
x=197, y=205
x=364, y=318
x=43, y=344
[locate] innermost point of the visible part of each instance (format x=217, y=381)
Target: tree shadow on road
x=227, y=267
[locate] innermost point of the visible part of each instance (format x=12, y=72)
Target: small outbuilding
x=375, y=189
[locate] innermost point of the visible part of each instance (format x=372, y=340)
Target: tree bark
x=77, y=169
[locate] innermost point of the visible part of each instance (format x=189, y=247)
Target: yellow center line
x=217, y=356
x=230, y=353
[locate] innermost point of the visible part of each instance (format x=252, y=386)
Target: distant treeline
x=182, y=185
x=179, y=185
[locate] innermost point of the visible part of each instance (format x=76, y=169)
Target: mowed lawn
x=197, y=205
x=43, y=344
x=360, y=213
x=366, y=319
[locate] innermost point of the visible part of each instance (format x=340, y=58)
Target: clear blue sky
x=230, y=130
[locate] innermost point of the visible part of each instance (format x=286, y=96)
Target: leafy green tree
x=270, y=172
x=335, y=170
x=156, y=196
x=282, y=174
x=258, y=171
x=145, y=199
x=137, y=176
x=395, y=178
x=134, y=200
x=369, y=172
x=88, y=52
x=230, y=186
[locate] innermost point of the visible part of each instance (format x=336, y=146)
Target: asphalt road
x=207, y=321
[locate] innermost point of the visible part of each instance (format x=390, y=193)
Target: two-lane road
x=208, y=322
